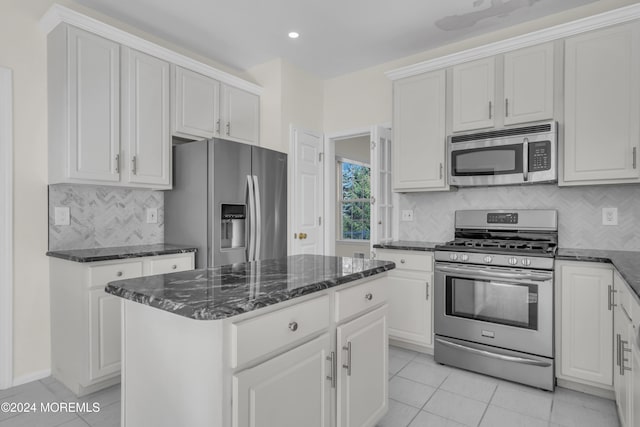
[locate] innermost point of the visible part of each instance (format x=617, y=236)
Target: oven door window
x=497, y=160
x=493, y=301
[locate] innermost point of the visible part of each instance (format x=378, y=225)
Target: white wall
x=22, y=48
x=356, y=148
x=291, y=97
x=364, y=98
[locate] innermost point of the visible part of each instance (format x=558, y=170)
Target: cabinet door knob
x=368, y=296
x=293, y=326
x=402, y=261
x=119, y=274
x=174, y=266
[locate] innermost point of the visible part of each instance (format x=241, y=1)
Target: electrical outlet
x=407, y=215
x=62, y=215
x=152, y=215
x=609, y=216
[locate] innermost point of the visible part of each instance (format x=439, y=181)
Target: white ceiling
x=336, y=36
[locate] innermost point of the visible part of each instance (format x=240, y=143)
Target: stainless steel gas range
x=494, y=295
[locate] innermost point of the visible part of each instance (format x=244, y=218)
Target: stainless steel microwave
x=517, y=155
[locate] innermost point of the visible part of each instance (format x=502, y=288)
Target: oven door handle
x=538, y=277
x=515, y=359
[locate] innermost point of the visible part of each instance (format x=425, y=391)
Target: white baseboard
x=34, y=376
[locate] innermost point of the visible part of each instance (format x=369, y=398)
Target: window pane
x=356, y=206
x=355, y=181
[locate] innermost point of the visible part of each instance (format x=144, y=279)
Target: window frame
x=340, y=201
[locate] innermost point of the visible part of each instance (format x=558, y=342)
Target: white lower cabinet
x=345, y=367
x=86, y=321
x=584, y=323
x=104, y=336
x=290, y=390
x=362, y=388
x=635, y=368
x=623, y=347
x=410, y=296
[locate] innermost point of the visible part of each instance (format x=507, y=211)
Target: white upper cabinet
x=145, y=118
x=524, y=91
x=419, y=155
x=115, y=101
x=205, y=108
x=528, y=84
x=474, y=95
x=240, y=115
x=602, y=106
x=196, y=105
x=84, y=107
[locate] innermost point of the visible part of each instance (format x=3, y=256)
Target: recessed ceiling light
x=293, y=35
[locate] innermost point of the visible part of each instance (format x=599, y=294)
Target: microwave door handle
x=525, y=159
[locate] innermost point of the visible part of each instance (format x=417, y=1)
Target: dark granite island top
x=626, y=262
x=120, y=252
x=408, y=245
x=222, y=292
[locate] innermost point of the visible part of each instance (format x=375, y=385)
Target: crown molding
x=605, y=19
x=58, y=14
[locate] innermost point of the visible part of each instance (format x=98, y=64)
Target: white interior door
x=381, y=194
x=307, y=182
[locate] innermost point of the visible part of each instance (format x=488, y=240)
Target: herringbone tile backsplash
x=579, y=212
x=104, y=217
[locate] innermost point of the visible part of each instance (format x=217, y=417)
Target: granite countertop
x=222, y=292
x=120, y=252
x=407, y=245
x=626, y=262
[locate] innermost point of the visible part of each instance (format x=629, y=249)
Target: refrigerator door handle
x=252, y=219
x=258, y=217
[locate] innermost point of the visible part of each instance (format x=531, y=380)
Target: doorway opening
x=360, y=205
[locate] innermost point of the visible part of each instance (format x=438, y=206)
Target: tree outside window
x=354, y=186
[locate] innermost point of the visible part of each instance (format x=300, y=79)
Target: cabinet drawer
x=163, y=265
x=261, y=335
x=360, y=298
x=100, y=275
x=408, y=260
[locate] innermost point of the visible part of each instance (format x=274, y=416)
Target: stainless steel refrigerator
x=229, y=200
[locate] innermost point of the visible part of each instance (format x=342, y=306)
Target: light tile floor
x=422, y=393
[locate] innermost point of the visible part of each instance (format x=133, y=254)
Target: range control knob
x=513, y=260
x=488, y=259
x=464, y=257
x=453, y=257
x=526, y=262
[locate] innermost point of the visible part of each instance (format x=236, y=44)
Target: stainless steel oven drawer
x=523, y=368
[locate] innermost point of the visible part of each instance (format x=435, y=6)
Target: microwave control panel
x=539, y=156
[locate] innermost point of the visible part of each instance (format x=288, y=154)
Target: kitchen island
x=294, y=341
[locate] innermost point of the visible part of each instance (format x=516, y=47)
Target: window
x=354, y=200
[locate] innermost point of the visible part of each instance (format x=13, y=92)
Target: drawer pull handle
x=402, y=261
x=368, y=297
x=293, y=326
x=174, y=266
x=119, y=274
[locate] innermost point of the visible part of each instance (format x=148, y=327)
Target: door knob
x=302, y=236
